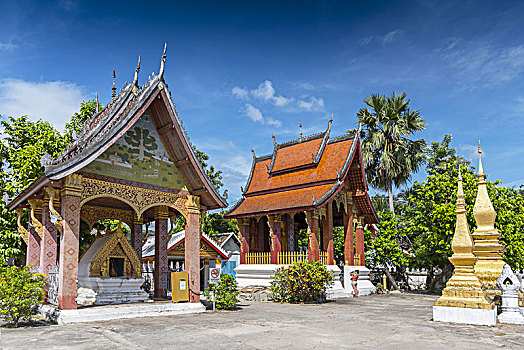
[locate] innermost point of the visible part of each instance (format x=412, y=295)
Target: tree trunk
x=391, y=279
x=434, y=281
x=390, y=195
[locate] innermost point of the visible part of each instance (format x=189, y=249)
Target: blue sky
x=240, y=70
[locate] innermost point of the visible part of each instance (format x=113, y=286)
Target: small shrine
x=109, y=272
x=314, y=183
x=133, y=162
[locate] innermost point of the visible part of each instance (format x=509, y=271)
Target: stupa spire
x=463, y=289
x=487, y=247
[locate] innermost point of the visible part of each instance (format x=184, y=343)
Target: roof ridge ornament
x=113, y=95
x=300, y=138
x=96, y=102
x=329, y=123
x=253, y=151
x=135, y=79
x=163, y=61
x=274, y=139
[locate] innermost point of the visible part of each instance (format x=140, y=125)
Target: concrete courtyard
x=396, y=321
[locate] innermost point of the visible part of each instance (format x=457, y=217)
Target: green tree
x=214, y=175
x=215, y=223
x=20, y=292
x=390, y=156
x=77, y=121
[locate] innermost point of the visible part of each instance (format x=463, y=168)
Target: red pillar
x=359, y=236
x=70, y=212
x=136, y=236
x=161, y=217
x=260, y=234
x=192, y=247
x=48, y=245
x=35, y=232
x=349, y=252
x=243, y=228
x=312, y=218
x=275, y=232
x=328, y=233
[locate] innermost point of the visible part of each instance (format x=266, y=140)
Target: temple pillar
x=275, y=233
x=260, y=234
x=137, y=236
x=192, y=247
x=161, y=239
x=327, y=229
x=359, y=236
x=290, y=233
x=243, y=228
x=69, y=239
x=253, y=242
x=349, y=252
x=312, y=218
x=48, y=245
x=35, y=234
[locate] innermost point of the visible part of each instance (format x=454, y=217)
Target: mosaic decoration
x=139, y=156
x=92, y=214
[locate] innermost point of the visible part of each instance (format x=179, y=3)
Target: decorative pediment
x=116, y=258
x=206, y=251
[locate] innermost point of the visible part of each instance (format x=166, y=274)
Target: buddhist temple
x=314, y=182
x=133, y=162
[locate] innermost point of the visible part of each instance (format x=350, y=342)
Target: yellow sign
x=179, y=286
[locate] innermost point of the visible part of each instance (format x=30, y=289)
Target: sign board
x=214, y=275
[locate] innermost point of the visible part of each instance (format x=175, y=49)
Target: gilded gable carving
x=116, y=246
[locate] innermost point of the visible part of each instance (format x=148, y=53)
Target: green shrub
x=20, y=293
x=301, y=282
x=224, y=291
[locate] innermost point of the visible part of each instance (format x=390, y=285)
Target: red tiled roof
x=296, y=155
x=332, y=160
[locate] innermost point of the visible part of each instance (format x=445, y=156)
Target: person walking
x=354, y=281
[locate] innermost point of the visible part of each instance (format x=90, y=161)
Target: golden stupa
x=487, y=247
x=464, y=288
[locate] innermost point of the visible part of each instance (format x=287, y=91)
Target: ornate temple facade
x=313, y=183
x=133, y=162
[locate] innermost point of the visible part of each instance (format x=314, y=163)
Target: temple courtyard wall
x=394, y=321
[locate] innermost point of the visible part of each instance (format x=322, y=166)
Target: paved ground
x=383, y=322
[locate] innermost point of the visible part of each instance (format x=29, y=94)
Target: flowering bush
x=301, y=282
x=20, y=292
x=224, y=291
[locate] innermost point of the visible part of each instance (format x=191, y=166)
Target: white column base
x=480, y=317
x=512, y=317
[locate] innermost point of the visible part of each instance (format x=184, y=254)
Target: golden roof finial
x=274, y=139
x=481, y=170
x=300, y=129
x=137, y=69
x=253, y=151
x=330, y=121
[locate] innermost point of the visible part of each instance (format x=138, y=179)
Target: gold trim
x=36, y=206
x=21, y=229
x=99, y=266
x=52, y=193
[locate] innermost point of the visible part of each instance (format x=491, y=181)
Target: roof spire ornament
x=274, y=139
x=163, y=61
x=300, y=129
x=329, y=123
x=487, y=246
x=114, y=86
x=135, y=79
x=96, y=102
x=253, y=151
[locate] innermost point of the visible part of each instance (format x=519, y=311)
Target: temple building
x=313, y=183
x=133, y=162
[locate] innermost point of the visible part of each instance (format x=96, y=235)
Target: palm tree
x=390, y=157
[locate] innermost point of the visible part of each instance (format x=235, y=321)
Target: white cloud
x=241, y=94
x=266, y=92
x=478, y=62
x=7, y=46
x=255, y=114
x=53, y=101
x=312, y=104
x=470, y=152
x=381, y=39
